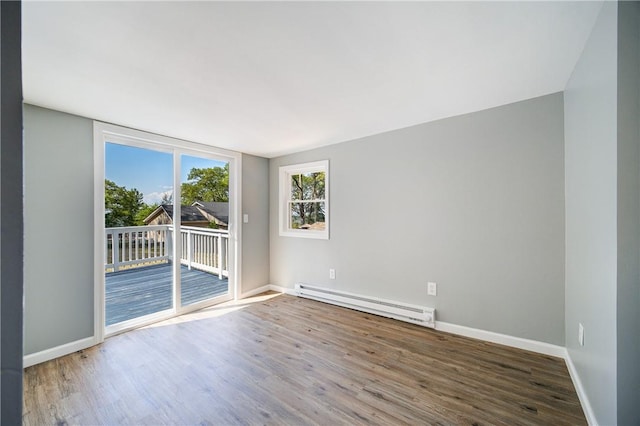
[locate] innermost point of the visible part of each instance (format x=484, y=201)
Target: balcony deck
x=142, y=291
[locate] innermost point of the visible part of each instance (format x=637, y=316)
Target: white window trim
x=285, y=193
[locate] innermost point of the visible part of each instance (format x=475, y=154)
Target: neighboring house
x=214, y=211
x=201, y=214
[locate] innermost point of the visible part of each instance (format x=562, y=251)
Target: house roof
x=333, y=71
x=194, y=213
x=187, y=214
x=219, y=210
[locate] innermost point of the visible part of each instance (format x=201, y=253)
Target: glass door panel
x=138, y=234
x=204, y=235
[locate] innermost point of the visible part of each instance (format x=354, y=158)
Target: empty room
x=320, y=213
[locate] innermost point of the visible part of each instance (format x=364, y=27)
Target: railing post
x=130, y=253
x=155, y=244
x=168, y=243
x=220, y=257
x=115, y=250
x=106, y=249
x=108, y=260
x=226, y=254
x=145, y=254
x=189, y=249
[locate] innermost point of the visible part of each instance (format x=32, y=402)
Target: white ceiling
x=270, y=78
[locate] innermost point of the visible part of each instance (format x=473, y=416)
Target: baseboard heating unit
x=420, y=315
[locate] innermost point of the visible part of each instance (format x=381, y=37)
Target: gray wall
x=58, y=208
x=474, y=203
x=628, y=298
x=11, y=221
x=255, y=234
x=591, y=214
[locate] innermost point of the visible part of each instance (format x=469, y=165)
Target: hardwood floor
x=277, y=359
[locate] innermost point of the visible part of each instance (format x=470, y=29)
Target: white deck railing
x=205, y=249
x=136, y=246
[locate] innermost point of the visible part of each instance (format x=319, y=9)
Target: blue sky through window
x=150, y=172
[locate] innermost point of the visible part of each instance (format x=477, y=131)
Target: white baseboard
x=285, y=290
x=503, y=339
x=582, y=395
x=255, y=291
x=57, y=352
x=267, y=287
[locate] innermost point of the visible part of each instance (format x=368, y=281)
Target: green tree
x=209, y=184
x=167, y=199
x=121, y=205
x=309, y=187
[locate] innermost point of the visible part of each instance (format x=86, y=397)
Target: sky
x=150, y=172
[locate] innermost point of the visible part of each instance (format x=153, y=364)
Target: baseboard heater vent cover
x=420, y=315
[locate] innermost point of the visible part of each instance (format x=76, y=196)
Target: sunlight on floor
x=217, y=310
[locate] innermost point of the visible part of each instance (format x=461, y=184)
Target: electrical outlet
x=332, y=274
x=580, y=334
x=432, y=289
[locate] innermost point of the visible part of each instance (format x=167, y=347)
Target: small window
x=304, y=200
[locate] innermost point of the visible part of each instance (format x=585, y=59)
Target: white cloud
x=156, y=197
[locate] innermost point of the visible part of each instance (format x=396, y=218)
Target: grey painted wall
x=474, y=203
x=255, y=234
x=58, y=208
x=591, y=214
x=628, y=297
x=11, y=220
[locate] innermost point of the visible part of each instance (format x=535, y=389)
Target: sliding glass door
x=138, y=190
x=167, y=236
x=204, y=231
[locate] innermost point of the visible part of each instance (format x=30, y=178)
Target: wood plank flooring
x=278, y=359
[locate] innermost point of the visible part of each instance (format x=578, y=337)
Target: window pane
x=312, y=186
x=205, y=206
x=296, y=187
x=318, y=186
x=295, y=215
x=307, y=215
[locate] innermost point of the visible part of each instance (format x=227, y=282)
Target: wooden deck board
x=142, y=291
x=278, y=359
